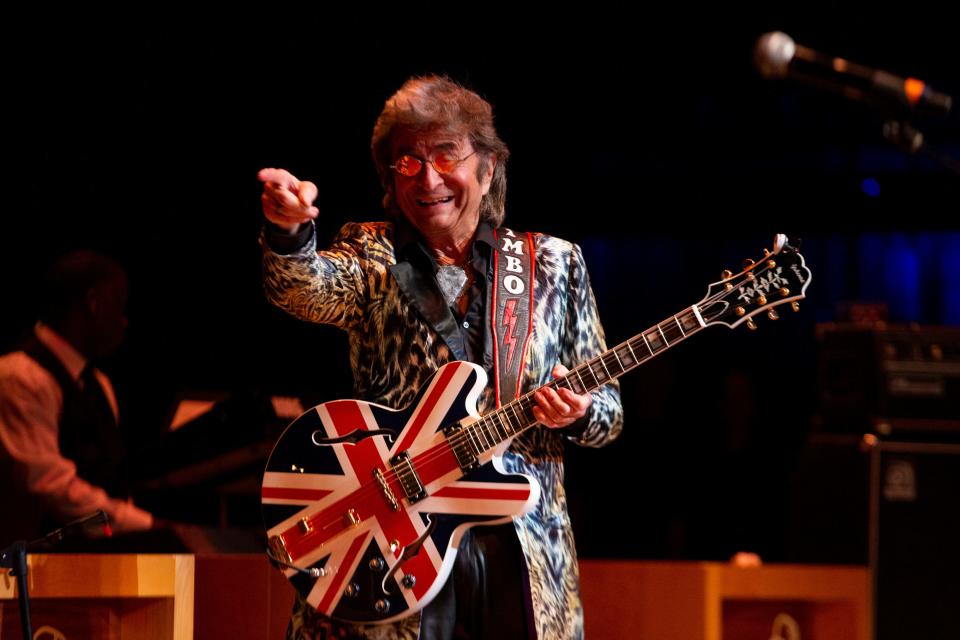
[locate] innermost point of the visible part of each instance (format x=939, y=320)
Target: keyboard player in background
x=62, y=455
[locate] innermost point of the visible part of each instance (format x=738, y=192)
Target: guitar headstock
x=779, y=277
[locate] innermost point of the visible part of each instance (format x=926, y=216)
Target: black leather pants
x=485, y=598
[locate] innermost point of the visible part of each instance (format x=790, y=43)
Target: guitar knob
x=751, y=325
x=377, y=564
x=761, y=300
x=773, y=315
x=352, y=590
x=381, y=605
x=795, y=306
x=409, y=581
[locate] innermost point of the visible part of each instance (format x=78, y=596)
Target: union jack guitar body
x=365, y=506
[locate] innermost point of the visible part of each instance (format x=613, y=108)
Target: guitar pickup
x=409, y=479
x=462, y=448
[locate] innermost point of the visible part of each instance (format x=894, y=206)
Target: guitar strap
x=511, y=309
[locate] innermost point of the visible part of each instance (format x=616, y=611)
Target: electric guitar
x=365, y=506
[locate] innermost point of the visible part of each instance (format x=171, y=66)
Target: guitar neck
x=517, y=416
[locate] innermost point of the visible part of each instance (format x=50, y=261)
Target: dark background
x=650, y=140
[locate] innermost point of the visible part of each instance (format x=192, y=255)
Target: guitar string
x=605, y=358
x=371, y=487
x=525, y=402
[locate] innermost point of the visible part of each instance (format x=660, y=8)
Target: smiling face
x=443, y=207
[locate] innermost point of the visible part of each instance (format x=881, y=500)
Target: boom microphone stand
x=14, y=558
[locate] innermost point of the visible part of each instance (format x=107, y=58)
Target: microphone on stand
x=777, y=56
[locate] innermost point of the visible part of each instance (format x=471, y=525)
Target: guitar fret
x=508, y=422
x=527, y=411
x=626, y=356
x=583, y=387
x=590, y=369
x=514, y=409
x=499, y=434
x=663, y=336
x=506, y=428
x=478, y=436
x=680, y=326
x=472, y=433
x=604, y=365
x=490, y=428
x=646, y=343
x=617, y=358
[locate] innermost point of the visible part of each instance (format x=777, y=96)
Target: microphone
x=777, y=56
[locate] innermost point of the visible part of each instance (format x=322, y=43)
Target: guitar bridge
x=386, y=491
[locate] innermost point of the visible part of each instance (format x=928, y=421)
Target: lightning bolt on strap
x=511, y=308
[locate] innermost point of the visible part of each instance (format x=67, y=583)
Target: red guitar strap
x=511, y=310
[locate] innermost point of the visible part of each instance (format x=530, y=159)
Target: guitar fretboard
x=517, y=416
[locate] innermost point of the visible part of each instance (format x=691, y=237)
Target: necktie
x=93, y=395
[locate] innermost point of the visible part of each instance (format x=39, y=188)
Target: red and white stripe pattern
x=349, y=485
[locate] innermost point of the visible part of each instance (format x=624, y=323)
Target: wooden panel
x=69, y=618
x=710, y=601
x=120, y=597
x=643, y=600
x=241, y=597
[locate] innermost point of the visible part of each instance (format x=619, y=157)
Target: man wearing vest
x=443, y=281
x=61, y=451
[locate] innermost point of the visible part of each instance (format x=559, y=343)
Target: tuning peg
x=740, y=311
x=795, y=306
x=726, y=275
x=748, y=263
x=771, y=264
x=751, y=325
x=761, y=300
x=784, y=291
x=773, y=315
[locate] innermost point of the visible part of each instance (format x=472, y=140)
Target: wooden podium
x=714, y=601
x=115, y=597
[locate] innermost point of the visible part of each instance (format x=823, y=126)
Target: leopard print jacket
x=393, y=352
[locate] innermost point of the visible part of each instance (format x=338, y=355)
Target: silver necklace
x=452, y=280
